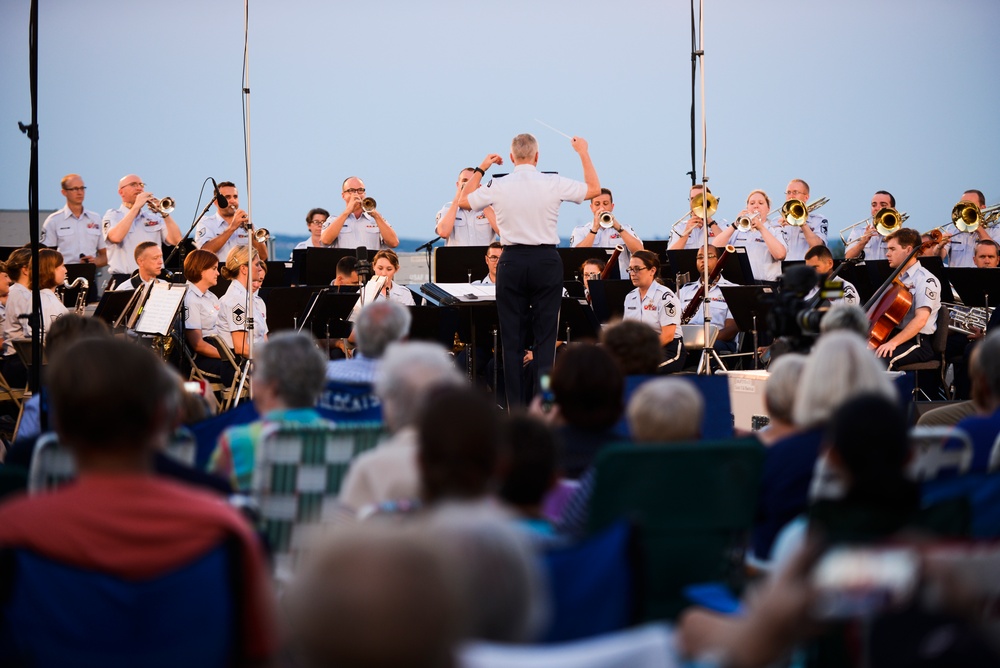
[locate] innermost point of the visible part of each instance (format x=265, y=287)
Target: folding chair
x=229, y=393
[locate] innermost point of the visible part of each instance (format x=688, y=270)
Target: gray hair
x=294, y=364
x=379, y=324
x=408, y=370
x=524, y=147
x=988, y=366
x=665, y=409
x=844, y=316
x=782, y=385
x=840, y=367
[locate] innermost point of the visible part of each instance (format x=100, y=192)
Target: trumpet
x=261, y=235
x=163, y=207
x=795, y=212
x=967, y=216
x=368, y=204
x=606, y=219
x=886, y=221
x=745, y=223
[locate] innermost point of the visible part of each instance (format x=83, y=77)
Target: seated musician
x=201, y=309
x=386, y=263
x=821, y=259
x=149, y=258
x=721, y=317
x=232, y=322
x=657, y=306
x=911, y=341
x=347, y=272
x=493, y=253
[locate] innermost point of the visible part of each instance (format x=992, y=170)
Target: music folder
x=158, y=313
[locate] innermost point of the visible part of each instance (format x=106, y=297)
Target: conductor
x=530, y=272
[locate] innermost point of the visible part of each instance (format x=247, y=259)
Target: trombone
x=699, y=208
x=967, y=216
x=886, y=221
x=795, y=212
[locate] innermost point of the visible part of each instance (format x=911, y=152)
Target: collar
x=525, y=167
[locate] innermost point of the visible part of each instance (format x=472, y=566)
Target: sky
x=853, y=96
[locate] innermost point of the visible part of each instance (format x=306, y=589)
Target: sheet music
x=160, y=309
x=467, y=292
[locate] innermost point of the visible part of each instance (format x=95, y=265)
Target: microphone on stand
x=221, y=200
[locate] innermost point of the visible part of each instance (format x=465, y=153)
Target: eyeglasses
x=136, y=184
x=591, y=275
x=316, y=222
x=795, y=192
x=492, y=258
x=355, y=191
x=76, y=189
x=636, y=270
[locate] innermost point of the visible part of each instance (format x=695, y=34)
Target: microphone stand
x=187, y=234
x=245, y=373
x=429, y=246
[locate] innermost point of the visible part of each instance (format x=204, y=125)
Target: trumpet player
x=692, y=234
x=763, y=241
x=74, y=231
x=228, y=227
x=132, y=223
x=606, y=231
x=460, y=224
x=867, y=238
x=812, y=233
x=357, y=225
x=959, y=248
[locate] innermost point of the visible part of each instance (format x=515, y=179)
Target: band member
x=232, y=323
x=598, y=235
x=462, y=225
x=959, y=248
x=347, y=272
x=74, y=231
x=149, y=259
x=356, y=227
x=986, y=254
x=821, y=259
x=911, y=342
x=315, y=220
x=867, y=238
x=228, y=227
x=692, y=234
x=201, y=306
x=4, y=293
x=51, y=274
x=14, y=326
x=386, y=263
x=592, y=269
x=132, y=223
x=657, y=306
x=721, y=317
x=493, y=253
x=764, y=242
x=812, y=233
x=530, y=275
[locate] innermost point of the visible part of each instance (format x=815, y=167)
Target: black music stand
x=434, y=323
x=659, y=246
x=577, y=321
x=607, y=298
x=681, y=261
x=279, y=275
x=573, y=259
x=5, y=252
x=878, y=271
x=860, y=278
x=575, y=289
x=326, y=312
x=460, y=264
x=738, y=269
x=750, y=308
x=976, y=286
x=320, y=264
x=113, y=304
x=285, y=305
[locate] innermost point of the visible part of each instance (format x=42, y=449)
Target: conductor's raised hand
x=490, y=160
x=580, y=145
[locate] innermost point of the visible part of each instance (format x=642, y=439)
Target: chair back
x=938, y=452
x=940, y=341
x=52, y=465
x=227, y=356
x=693, y=505
x=298, y=474
x=55, y=614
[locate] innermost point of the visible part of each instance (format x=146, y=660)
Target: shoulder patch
x=671, y=309
x=201, y=233
x=931, y=293
x=239, y=314
x=107, y=224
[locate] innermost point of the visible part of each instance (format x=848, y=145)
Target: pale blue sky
x=853, y=96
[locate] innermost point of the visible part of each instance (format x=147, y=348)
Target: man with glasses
x=356, y=227
x=596, y=235
x=867, y=238
x=227, y=227
x=74, y=231
x=721, y=316
x=460, y=224
x=959, y=248
x=692, y=234
x=492, y=262
x=132, y=223
x=800, y=238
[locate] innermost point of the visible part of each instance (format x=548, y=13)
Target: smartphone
x=855, y=582
x=548, y=398
x=193, y=387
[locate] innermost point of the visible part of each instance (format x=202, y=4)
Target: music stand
x=434, y=323
x=749, y=310
x=279, y=275
x=659, y=246
x=976, y=286
x=5, y=252
x=738, y=269
x=575, y=289
x=326, y=313
x=684, y=260
x=320, y=265
x=860, y=278
x=460, y=264
x=607, y=298
x=577, y=321
x=113, y=305
x=573, y=259
x=285, y=305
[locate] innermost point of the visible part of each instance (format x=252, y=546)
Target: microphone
x=221, y=200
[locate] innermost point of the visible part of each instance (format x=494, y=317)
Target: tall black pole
x=694, y=76
x=35, y=318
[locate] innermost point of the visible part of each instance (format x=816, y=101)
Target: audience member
x=379, y=324
x=119, y=520
x=779, y=396
x=529, y=474
x=845, y=316
x=287, y=380
x=389, y=472
x=635, y=347
x=984, y=426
